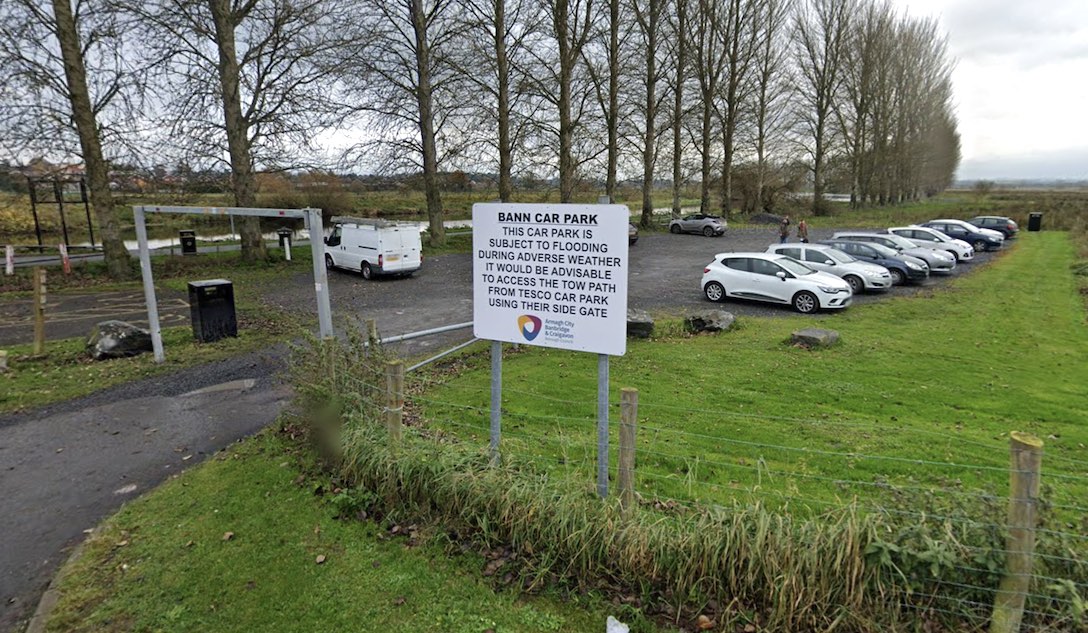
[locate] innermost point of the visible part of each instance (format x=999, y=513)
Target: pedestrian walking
x=802, y=231
x=784, y=230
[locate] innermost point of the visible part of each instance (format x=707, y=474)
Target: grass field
x=244, y=544
x=920, y=395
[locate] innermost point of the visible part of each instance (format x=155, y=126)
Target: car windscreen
x=794, y=266
x=839, y=256
x=883, y=251
x=900, y=241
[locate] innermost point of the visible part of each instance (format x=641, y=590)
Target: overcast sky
x=1021, y=84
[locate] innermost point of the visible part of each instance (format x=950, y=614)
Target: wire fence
x=945, y=501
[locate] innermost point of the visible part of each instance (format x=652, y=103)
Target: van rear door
x=400, y=249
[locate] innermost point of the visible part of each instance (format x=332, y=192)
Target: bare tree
x=649, y=14
x=679, y=75
x=248, y=77
x=65, y=73
x=708, y=64
x=770, y=102
x=507, y=23
x=740, y=42
x=821, y=28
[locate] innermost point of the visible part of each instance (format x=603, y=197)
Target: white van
x=373, y=247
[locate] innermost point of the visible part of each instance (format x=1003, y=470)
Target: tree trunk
x=436, y=229
x=704, y=141
x=113, y=247
x=503, y=67
x=651, y=116
x=243, y=183
x=678, y=104
x=613, y=98
x=566, y=124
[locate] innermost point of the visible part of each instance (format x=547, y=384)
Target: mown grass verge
x=251, y=542
x=857, y=488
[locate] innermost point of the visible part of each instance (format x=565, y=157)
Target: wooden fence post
x=394, y=399
x=39, y=310
x=1026, y=460
x=372, y=340
x=628, y=428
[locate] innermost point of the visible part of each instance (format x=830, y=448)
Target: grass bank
x=251, y=542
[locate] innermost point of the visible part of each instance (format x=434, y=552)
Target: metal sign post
x=553, y=276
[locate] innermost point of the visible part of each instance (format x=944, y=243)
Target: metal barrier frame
x=313, y=221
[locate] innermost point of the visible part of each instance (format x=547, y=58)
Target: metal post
x=231, y=216
x=149, y=284
x=86, y=208
x=321, y=278
x=59, y=191
x=9, y=260
x=287, y=249
x=602, y=425
x=33, y=187
x=496, y=399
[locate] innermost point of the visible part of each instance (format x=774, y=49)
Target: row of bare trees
x=682, y=91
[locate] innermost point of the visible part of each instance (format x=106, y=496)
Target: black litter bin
x=1035, y=222
x=285, y=236
x=211, y=306
x=188, y=242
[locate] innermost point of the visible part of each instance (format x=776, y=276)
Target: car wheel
x=707, y=231
x=978, y=245
x=367, y=272
x=674, y=229
x=955, y=255
x=805, y=302
x=897, y=276
x=857, y=286
x=328, y=261
x=714, y=291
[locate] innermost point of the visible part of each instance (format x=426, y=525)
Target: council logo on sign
x=529, y=326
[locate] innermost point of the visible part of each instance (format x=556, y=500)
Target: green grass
x=163, y=564
x=917, y=384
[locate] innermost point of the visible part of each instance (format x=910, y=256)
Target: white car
x=774, y=279
x=932, y=238
x=860, y=275
x=938, y=261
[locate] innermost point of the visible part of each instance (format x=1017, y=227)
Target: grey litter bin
x=1035, y=222
x=211, y=306
x=188, y=242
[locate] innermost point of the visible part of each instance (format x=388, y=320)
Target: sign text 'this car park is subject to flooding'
x=551, y=274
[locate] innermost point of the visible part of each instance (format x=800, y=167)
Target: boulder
x=814, y=337
x=116, y=339
x=639, y=324
x=709, y=321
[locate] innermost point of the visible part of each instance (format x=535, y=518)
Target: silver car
x=938, y=261
x=860, y=275
x=708, y=225
x=932, y=238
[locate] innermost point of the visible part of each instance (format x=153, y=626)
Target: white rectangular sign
x=553, y=275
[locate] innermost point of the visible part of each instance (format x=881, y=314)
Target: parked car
x=938, y=261
x=979, y=239
x=998, y=223
x=373, y=247
x=925, y=236
x=708, y=225
x=860, y=275
x=774, y=279
x=632, y=233
x=903, y=268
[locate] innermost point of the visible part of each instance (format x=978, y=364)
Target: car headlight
x=913, y=266
x=830, y=289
